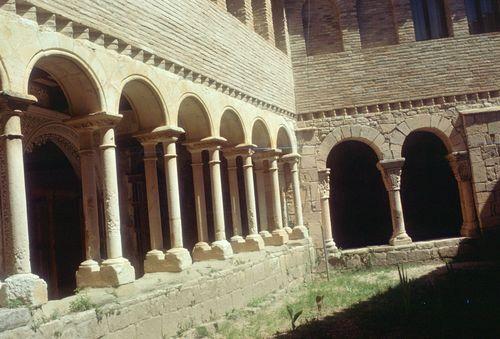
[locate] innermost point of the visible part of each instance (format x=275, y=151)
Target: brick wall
x=358, y=76
x=198, y=34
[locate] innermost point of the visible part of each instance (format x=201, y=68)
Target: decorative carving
x=324, y=183
x=391, y=173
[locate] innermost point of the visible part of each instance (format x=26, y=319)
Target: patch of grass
x=81, y=303
x=256, y=302
x=202, y=332
x=15, y=303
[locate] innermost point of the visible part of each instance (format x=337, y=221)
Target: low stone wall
x=417, y=252
x=165, y=304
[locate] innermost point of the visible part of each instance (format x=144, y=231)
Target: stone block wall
x=203, y=294
x=198, y=34
x=358, y=74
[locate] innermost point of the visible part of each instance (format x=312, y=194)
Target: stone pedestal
x=174, y=260
x=391, y=173
x=279, y=237
x=26, y=288
x=220, y=250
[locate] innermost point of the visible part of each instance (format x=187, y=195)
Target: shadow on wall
x=457, y=300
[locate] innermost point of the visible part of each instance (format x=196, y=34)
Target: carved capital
x=94, y=121
x=324, y=183
x=210, y=143
x=12, y=102
x=164, y=134
x=391, y=173
x=460, y=165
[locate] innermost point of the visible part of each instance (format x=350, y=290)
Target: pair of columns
x=177, y=258
x=391, y=174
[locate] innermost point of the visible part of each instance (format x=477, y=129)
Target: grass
x=81, y=303
x=409, y=302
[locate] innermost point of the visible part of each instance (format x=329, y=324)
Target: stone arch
x=194, y=118
x=366, y=134
x=4, y=79
x=440, y=126
x=321, y=27
x=231, y=127
x=260, y=134
x=284, y=141
x=62, y=136
x=146, y=102
x=376, y=23
x=75, y=77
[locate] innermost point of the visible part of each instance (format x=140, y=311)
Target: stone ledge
x=376, y=256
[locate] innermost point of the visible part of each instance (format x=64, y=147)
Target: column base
x=238, y=244
x=331, y=248
x=288, y=230
x=111, y=273
x=267, y=237
x=400, y=239
x=299, y=232
x=26, y=288
x=470, y=230
x=279, y=237
x=220, y=250
x=174, y=260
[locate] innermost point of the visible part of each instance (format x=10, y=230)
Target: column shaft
x=299, y=218
x=174, y=204
x=153, y=196
x=199, y=196
x=283, y=191
x=217, y=202
x=234, y=194
x=111, y=201
x=250, y=195
x=261, y=195
x=275, y=193
x=89, y=192
x=17, y=248
x=326, y=220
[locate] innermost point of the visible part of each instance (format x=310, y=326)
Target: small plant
x=15, y=303
x=293, y=315
x=81, y=303
x=201, y=332
x=55, y=315
x=319, y=303
x=57, y=334
x=405, y=286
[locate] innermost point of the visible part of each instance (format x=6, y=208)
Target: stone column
x=90, y=201
x=21, y=283
x=283, y=190
x=391, y=174
x=280, y=236
x=221, y=248
x=199, y=195
x=326, y=221
x=261, y=198
x=299, y=231
x=459, y=163
x=253, y=241
x=234, y=194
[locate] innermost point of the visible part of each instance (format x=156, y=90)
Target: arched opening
x=262, y=140
x=284, y=144
x=142, y=111
x=280, y=26
x=55, y=218
x=62, y=84
x=359, y=203
x=260, y=135
x=321, y=25
x=261, y=26
x=194, y=119
x=429, y=191
x=238, y=9
x=376, y=23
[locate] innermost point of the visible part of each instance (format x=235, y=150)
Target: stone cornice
x=441, y=101
x=61, y=24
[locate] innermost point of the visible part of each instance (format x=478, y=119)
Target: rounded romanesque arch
x=231, y=127
x=144, y=99
x=72, y=75
x=365, y=134
x=4, y=79
x=284, y=141
x=440, y=126
x=260, y=134
x=194, y=118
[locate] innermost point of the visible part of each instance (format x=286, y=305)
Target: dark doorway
x=359, y=202
x=429, y=191
x=55, y=218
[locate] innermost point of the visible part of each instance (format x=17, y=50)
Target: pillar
x=199, y=194
x=299, y=231
x=283, y=189
x=326, y=221
x=280, y=236
x=217, y=201
x=90, y=203
x=153, y=198
x=234, y=194
x=20, y=284
x=459, y=163
x=261, y=196
x=391, y=174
